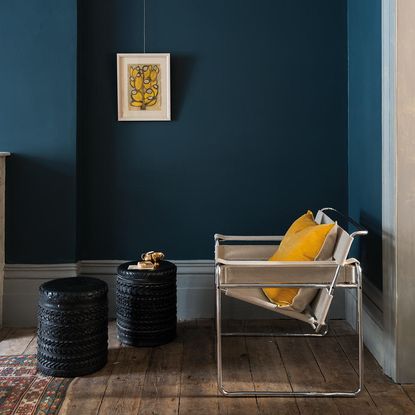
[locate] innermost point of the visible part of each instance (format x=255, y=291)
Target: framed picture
x=143, y=86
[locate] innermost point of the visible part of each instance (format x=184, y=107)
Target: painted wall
x=259, y=130
x=38, y=125
x=365, y=136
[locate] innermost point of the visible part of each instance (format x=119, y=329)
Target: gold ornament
x=150, y=260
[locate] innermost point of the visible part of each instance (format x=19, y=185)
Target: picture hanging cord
x=144, y=26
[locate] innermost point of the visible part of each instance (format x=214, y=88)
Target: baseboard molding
x=372, y=318
x=195, y=290
x=40, y=271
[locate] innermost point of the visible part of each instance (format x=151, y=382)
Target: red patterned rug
x=23, y=391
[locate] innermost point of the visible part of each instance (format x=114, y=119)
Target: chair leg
x=359, y=316
x=253, y=393
x=219, y=340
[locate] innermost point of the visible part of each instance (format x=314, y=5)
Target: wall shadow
x=182, y=68
x=370, y=249
x=40, y=210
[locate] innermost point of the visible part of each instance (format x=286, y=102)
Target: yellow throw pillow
x=301, y=223
x=303, y=241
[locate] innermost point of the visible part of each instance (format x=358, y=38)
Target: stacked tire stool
x=146, y=305
x=72, y=326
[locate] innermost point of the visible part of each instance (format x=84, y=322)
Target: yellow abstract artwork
x=144, y=87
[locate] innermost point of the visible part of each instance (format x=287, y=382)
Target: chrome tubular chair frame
x=320, y=330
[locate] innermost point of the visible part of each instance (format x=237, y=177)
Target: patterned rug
x=23, y=391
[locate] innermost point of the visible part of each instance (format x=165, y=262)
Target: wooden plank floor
x=180, y=377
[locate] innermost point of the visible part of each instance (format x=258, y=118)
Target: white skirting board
x=372, y=318
x=195, y=290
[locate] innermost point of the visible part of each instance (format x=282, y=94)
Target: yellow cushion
x=302, y=242
x=302, y=222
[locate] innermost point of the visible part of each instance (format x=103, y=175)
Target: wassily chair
x=242, y=269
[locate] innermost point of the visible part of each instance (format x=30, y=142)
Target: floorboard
x=198, y=392
x=85, y=394
x=410, y=391
x=305, y=375
x=16, y=341
x=340, y=375
x=267, y=368
x=125, y=384
x=32, y=346
x=236, y=371
x=389, y=398
x=180, y=377
x=268, y=373
x=161, y=392
x=4, y=331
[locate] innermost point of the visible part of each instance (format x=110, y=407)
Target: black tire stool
x=72, y=326
x=146, y=305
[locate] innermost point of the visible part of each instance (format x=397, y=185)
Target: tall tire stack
x=72, y=326
x=146, y=305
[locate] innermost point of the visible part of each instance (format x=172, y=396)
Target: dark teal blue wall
x=38, y=125
x=365, y=121
x=259, y=130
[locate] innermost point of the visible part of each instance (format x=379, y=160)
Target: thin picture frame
x=143, y=86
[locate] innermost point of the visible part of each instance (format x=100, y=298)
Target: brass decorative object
x=150, y=260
